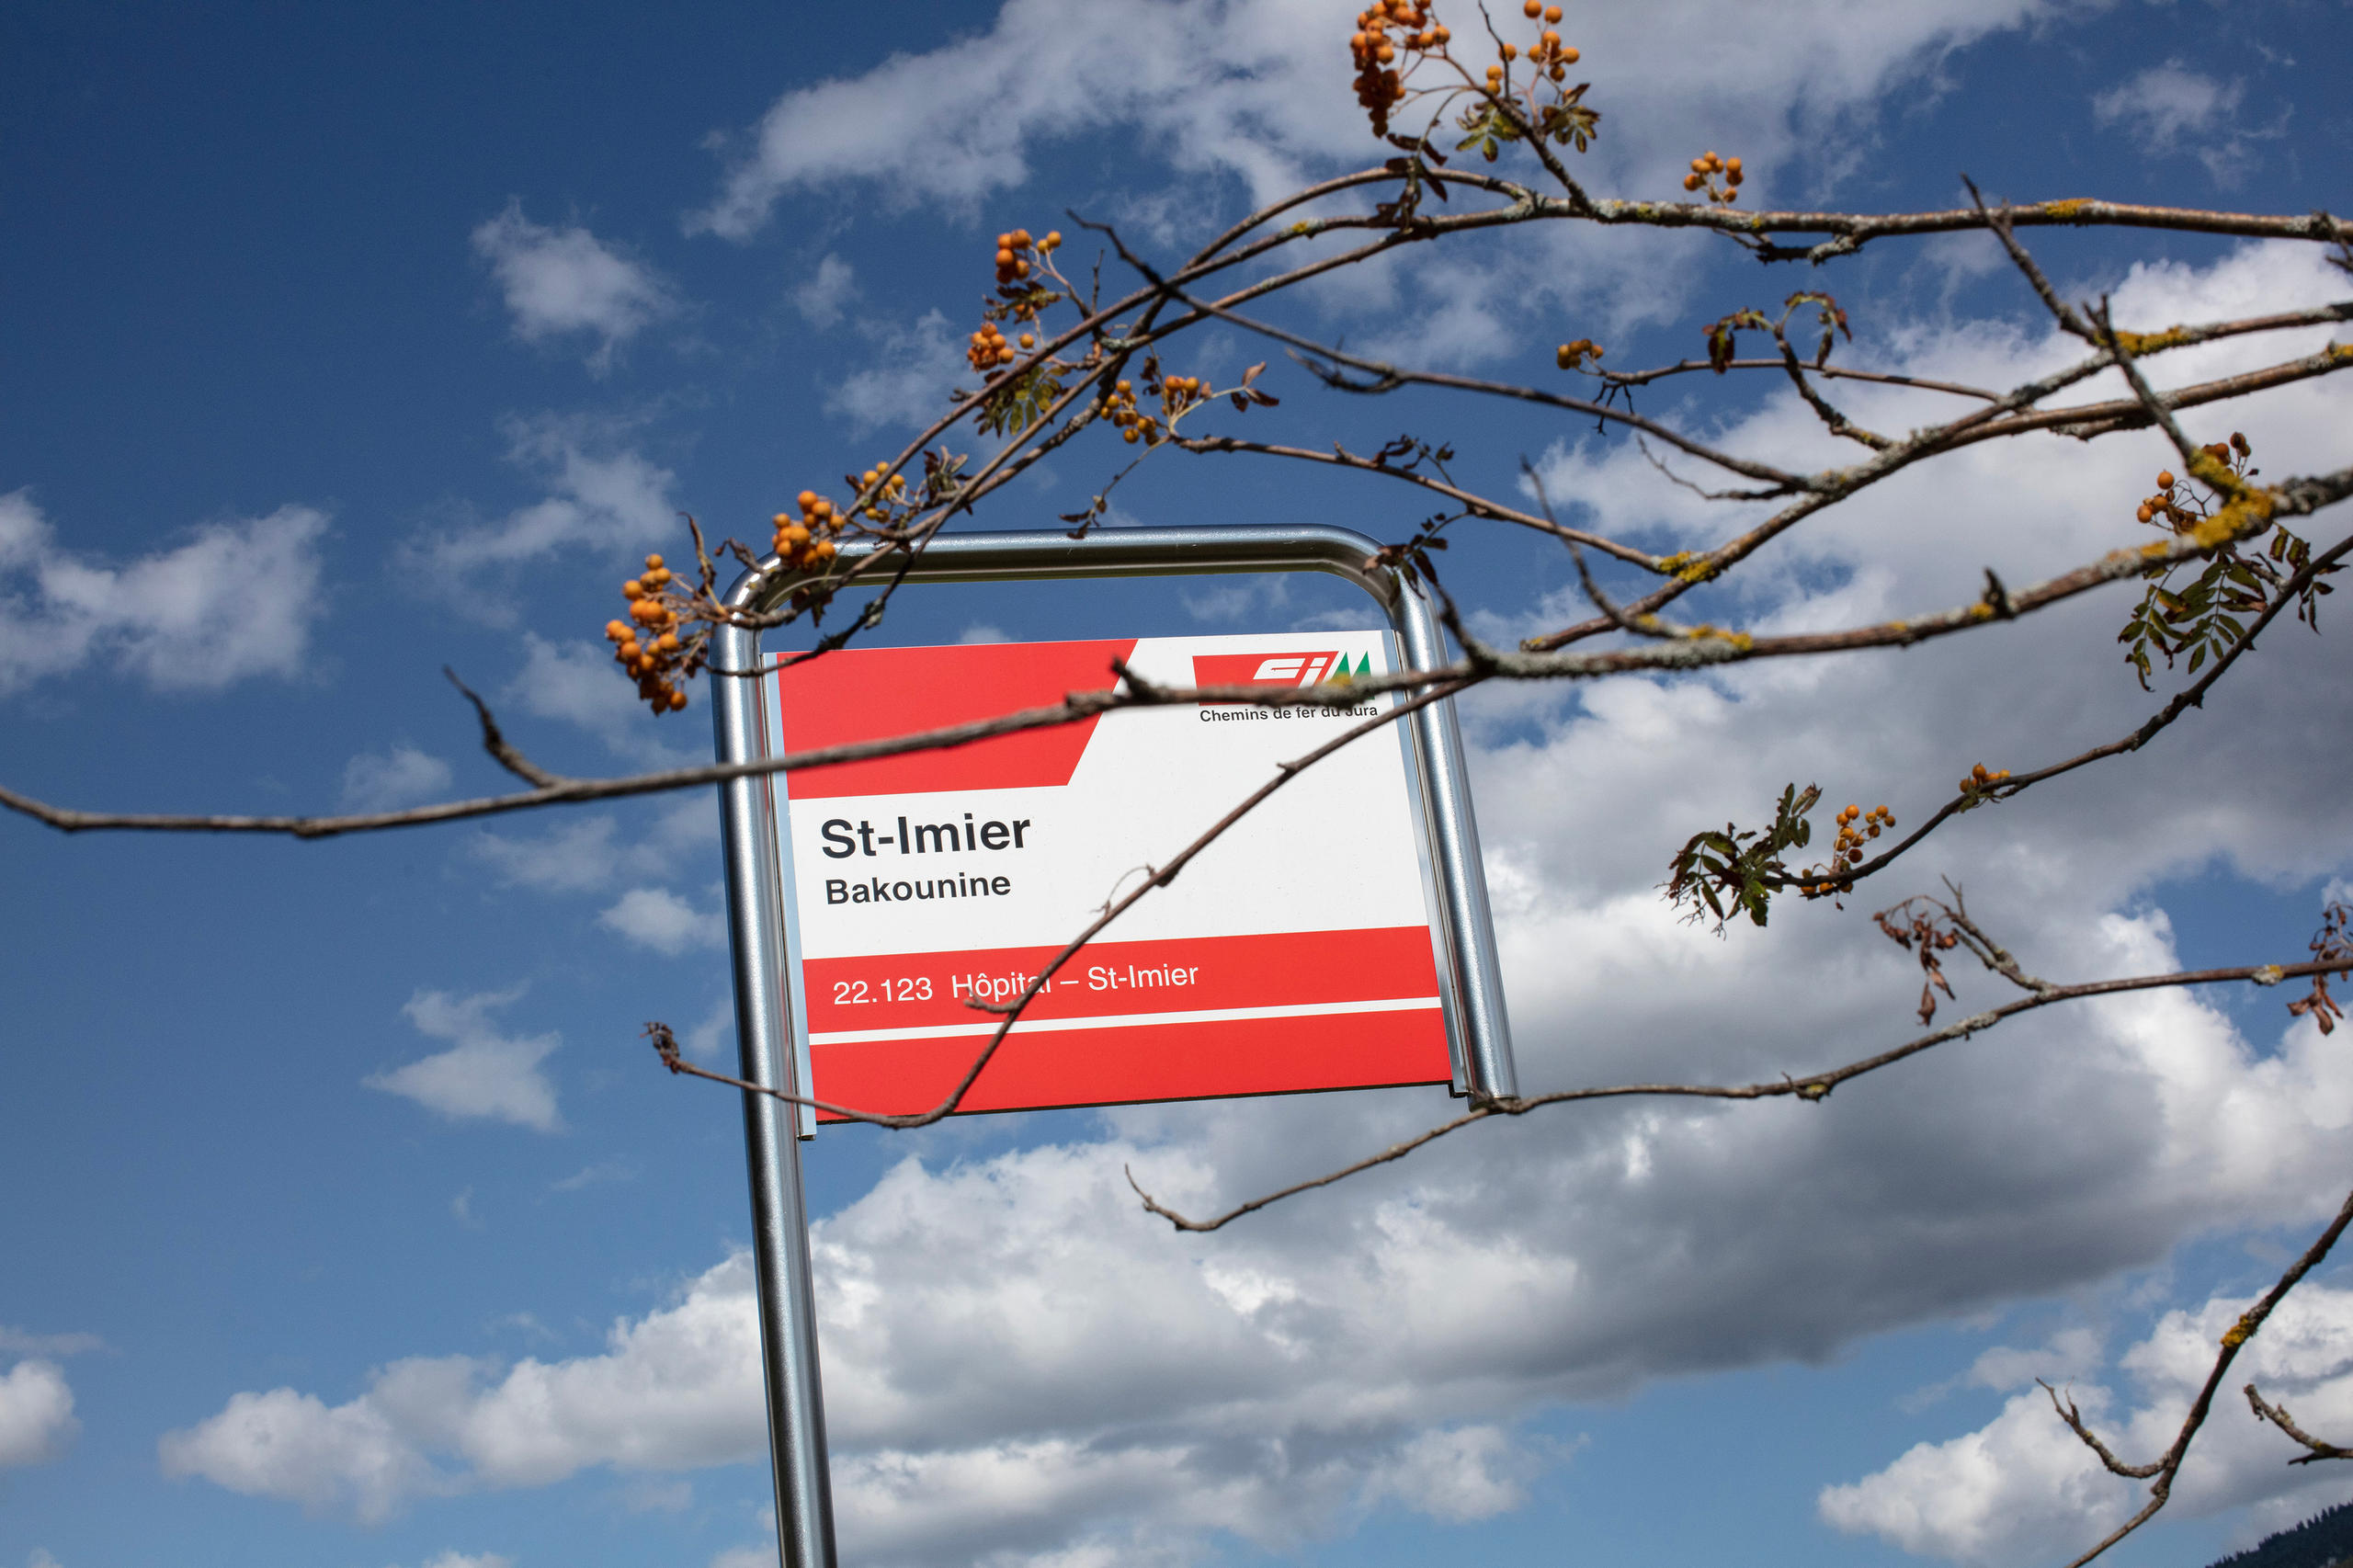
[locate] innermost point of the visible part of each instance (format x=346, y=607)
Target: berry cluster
x=646, y=644
x=1013, y=252
x=1573, y=355
x=2172, y=504
x=802, y=542
x=989, y=350
x=1720, y=177
x=1855, y=825
x=1134, y=424
x=1379, y=85
x=896, y=490
x=1548, y=54
x=1983, y=778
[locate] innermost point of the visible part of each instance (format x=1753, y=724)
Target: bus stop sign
x=1300, y=952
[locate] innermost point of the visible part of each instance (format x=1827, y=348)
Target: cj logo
x=1277, y=669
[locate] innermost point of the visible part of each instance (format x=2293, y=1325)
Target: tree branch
x=1812, y=1087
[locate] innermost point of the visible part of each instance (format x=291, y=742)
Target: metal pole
x=1462, y=869
x=796, y=1406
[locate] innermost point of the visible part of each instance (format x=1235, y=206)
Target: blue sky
x=337, y=348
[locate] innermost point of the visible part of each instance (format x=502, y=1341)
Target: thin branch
x=1999, y=222
x=501, y=750
x=2192, y=696
x=1831, y=417
x=1476, y=505
x=1812, y=1087
x=2167, y=1467
x=1832, y=372
x=1686, y=648
x=2278, y=1415
x=2140, y=385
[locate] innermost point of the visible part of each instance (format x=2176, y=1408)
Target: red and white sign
x=1296, y=953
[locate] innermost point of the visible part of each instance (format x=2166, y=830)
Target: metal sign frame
x=759, y=911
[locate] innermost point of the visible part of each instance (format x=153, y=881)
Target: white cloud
x=598, y=1173
x=821, y=297
x=1458, y=1475
x=674, y=1390
x=706, y=1040
x=36, y=1413
x=290, y=1446
x=560, y=281
x=660, y=919
x=2170, y=107
x=1249, y=101
x=2023, y=1485
x=679, y=1389
x=745, y=1557
x=483, y=1074
x=377, y=782
x=475, y=1560
x=24, y=1343
x=909, y=373
x=575, y=856
x=237, y=600
x=585, y=854
x=604, y=496
x=578, y=683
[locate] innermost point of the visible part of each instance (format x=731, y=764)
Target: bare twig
x=2192, y=696
x=501, y=750
x=2166, y=1466
x=2278, y=1415
x=1812, y=1086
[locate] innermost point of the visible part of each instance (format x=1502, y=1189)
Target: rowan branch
x=2167, y=1465
x=1812, y=1087
x=500, y=749
x=2192, y=696
x=1677, y=648
x=2278, y=1415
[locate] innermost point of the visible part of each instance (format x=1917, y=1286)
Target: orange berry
x=1552, y=13
x=677, y=700
x=2164, y=479
x=632, y=589
x=807, y=498
x=1532, y=9
x=1511, y=51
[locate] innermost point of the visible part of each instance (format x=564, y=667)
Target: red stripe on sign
x=1173, y=974
x=1163, y=1061
x=870, y=694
